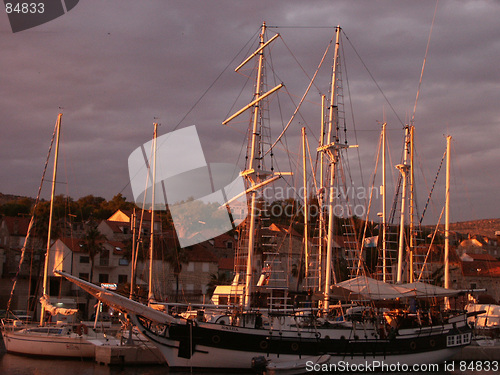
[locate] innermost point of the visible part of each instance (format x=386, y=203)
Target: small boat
x=299, y=366
x=54, y=339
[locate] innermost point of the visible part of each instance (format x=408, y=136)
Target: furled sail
x=53, y=310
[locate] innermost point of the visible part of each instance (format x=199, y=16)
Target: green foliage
x=16, y=207
x=219, y=279
x=92, y=245
x=83, y=209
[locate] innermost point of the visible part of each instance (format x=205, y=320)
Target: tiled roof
x=146, y=214
x=220, y=241
x=117, y=225
x=199, y=253
x=226, y=263
x=17, y=226
x=436, y=254
x=74, y=244
x=118, y=247
x=482, y=257
x=282, y=230
x=481, y=268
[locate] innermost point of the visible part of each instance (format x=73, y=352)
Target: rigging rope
x=430, y=246
x=303, y=96
x=369, y=206
x=201, y=97
x=32, y=220
x=374, y=81
x=352, y=115
x=423, y=64
x=432, y=188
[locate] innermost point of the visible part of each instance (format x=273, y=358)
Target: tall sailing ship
x=380, y=328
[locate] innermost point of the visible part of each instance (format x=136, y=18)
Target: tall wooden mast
x=447, y=222
x=384, y=207
x=331, y=149
x=255, y=177
x=403, y=169
x=45, y=286
x=152, y=232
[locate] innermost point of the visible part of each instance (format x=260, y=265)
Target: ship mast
x=384, y=207
x=447, y=223
x=321, y=196
x=331, y=149
x=254, y=175
x=412, y=241
x=151, y=241
x=45, y=286
x=403, y=169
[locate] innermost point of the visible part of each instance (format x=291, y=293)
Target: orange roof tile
x=226, y=263
x=17, y=226
x=199, y=253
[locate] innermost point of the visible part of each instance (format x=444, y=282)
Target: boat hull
x=51, y=345
x=208, y=345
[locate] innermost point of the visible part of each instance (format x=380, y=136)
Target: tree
x=175, y=257
x=16, y=207
x=88, y=206
x=118, y=202
x=92, y=244
x=215, y=280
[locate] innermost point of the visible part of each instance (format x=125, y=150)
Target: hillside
x=5, y=198
x=485, y=227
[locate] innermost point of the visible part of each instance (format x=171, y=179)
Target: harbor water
x=11, y=364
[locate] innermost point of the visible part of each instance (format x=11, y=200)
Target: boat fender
x=259, y=364
x=82, y=328
x=413, y=345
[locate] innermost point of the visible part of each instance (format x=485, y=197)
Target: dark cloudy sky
x=116, y=65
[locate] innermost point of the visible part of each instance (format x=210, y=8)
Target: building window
x=190, y=267
x=84, y=259
x=84, y=276
x=205, y=267
x=123, y=262
x=229, y=245
x=122, y=279
x=473, y=285
x=104, y=258
x=103, y=278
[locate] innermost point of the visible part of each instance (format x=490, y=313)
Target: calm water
x=20, y=365
x=11, y=364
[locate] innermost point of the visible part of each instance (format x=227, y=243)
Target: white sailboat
x=287, y=338
x=55, y=340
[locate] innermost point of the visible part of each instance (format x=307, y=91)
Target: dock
x=479, y=353
x=129, y=354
